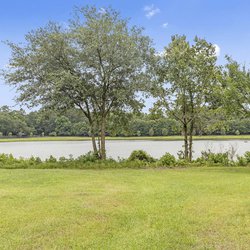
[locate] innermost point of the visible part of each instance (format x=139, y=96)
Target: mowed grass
x=192, y=208
x=152, y=138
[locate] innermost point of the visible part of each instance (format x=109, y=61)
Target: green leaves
x=187, y=74
x=236, y=88
x=97, y=64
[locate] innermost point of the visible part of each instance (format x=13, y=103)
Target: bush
x=247, y=156
x=151, y=132
x=241, y=161
x=89, y=157
x=164, y=132
x=167, y=160
x=51, y=159
x=237, y=132
x=141, y=156
x=214, y=158
x=52, y=134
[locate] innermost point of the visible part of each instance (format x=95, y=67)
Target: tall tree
x=187, y=75
x=236, y=86
x=97, y=64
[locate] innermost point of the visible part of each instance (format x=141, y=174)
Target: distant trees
x=13, y=122
x=71, y=123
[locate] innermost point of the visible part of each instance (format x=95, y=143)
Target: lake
x=119, y=148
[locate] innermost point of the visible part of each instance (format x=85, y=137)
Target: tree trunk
x=94, y=143
x=190, y=147
x=185, y=131
x=92, y=131
x=103, y=146
x=191, y=140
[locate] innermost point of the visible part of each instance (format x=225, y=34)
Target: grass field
x=155, y=138
x=192, y=208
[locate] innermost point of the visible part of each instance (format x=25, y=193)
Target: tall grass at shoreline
x=137, y=159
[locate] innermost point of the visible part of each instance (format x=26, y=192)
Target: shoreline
x=134, y=138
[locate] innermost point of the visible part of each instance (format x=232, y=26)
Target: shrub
x=34, y=160
x=237, y=132
x=241, y=161
x=183, y=163
x=52, y=134
x=51, y=159
x=89, y=157
x=247, y=156
x=151, y=132
x=141, y=156
x=167, y=160
x=214, y=158
x=164, y=132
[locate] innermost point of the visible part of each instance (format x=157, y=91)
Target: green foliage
x=72, y=123
x=237, y=132
x=51, y=159
x=137, y=159
x=89, y=157
x=241, y=161
x=164, y=132
x=96, y=64
x=53, y=134
x=236, y=88
x=151, y=132
x=167, y=160
x=209, y=157
x=141, y=156
x=247, y=156
x=186, y=74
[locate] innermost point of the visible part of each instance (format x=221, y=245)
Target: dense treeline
x=73, y=123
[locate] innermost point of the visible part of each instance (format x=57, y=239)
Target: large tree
x=235, y=83
x=97, y=64
x=187, y=76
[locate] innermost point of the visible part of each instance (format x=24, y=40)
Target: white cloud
x=164, y=25
x=102, y=11
x=160, y=53
x=151, y=10
x=217, y=49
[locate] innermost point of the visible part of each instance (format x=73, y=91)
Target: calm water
x=117, y=149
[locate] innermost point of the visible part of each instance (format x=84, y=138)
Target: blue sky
x=225, y=23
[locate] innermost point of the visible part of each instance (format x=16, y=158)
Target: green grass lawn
x=192, y=208
x=155, y=138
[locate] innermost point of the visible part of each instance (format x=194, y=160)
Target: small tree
x=151, y=132
x=187, y=75
x=164, y=131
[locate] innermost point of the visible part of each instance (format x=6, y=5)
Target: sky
x=225, y=23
